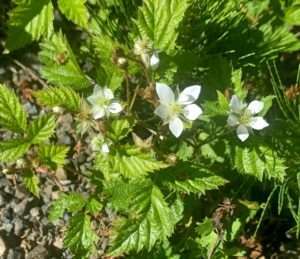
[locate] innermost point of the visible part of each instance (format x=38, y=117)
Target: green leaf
x=75, y=11
x=60, y=66
x=259, y=162
x=158, y=21
x=11, y=150
x=31, y=182
x=12, y=114
x=190, y=179
x=94, y=206
x=119, y=129
x=109, y=74
x=292, y=15
x=72, y=202
x=132, y=163
x=53, y=155
x=153, y=219
x=41, y=129
x=59, y=96
x=80, y=237
x=28, y=21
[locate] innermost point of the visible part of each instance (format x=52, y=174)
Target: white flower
x=103, y=103
x=154, y=61
x=105, y=148
x=243, y=117
x=172, y=110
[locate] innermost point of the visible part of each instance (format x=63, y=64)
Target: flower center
x=102, y=102
x=245, y=117
x=175, y=109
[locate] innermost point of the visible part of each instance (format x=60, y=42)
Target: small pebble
x=2, y=247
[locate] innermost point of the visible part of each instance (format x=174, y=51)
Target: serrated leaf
x=109, y=74
x=72, y=202
x=94, y=206
x=260, y=162
x=41, y=129
x=12, y=114
x=119, y=129
x=80, y=237
x=158, y=21
x=152, y=221
x=13, y=149
x=75, y=11
x=59, y=96
x=187, y=178
x=31, y=182
x=52, y=155
x=132, y=163
x=60, y=66
x=29, y=20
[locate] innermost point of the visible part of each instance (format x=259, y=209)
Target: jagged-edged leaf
x=52, y=155
x=31, y=182
x=41, y=129
x=59, y=96
x=109, y=74
x=12, y=114
x=80, y=237
x=75, y=11
x=259, y=162
x=119, y=129
x=72, y=202
x=132, y=163
x=11, y=150
x=187, y=178
x=60, y=66
x=158, y=21
x=28, y=21
x=153, y=220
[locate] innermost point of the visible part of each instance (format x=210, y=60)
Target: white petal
x=105, y=148
x=154, y=61
x=232, y=120
x=93, y=99
x=258, y=123
x=162, y=111
x=176, y=127
x=108, y=94
x=235, y=104
x=255, y=107
x=189, y=94
x=192, y=111
x=165, y=93
x=98, y=112
x=242, y=132
x=97, y=90
x=115, y=107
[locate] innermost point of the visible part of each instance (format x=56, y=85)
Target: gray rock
x=18, y=226
x=34, y=212
x=38, y=252
x=2, y=247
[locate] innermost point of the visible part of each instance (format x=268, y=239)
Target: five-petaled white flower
x=172, y=110
x=243, y=117
x=103, y=103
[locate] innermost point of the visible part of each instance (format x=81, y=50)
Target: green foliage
x=158, y=21
x=59, y=96
x=41, y=129
x=75, y=11
x=12, y=114
x=72, y=202
x=60, y=66
x=154, y=220
x=190, y=179
x=132, y=163
x=11, y=150
x=29, y=20
x=53, y=155
x=120, y=129
x=259, y=162
x=109, y=74
x=31, y=182
x=80, y=237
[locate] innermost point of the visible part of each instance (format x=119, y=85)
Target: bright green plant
x=177, y=168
